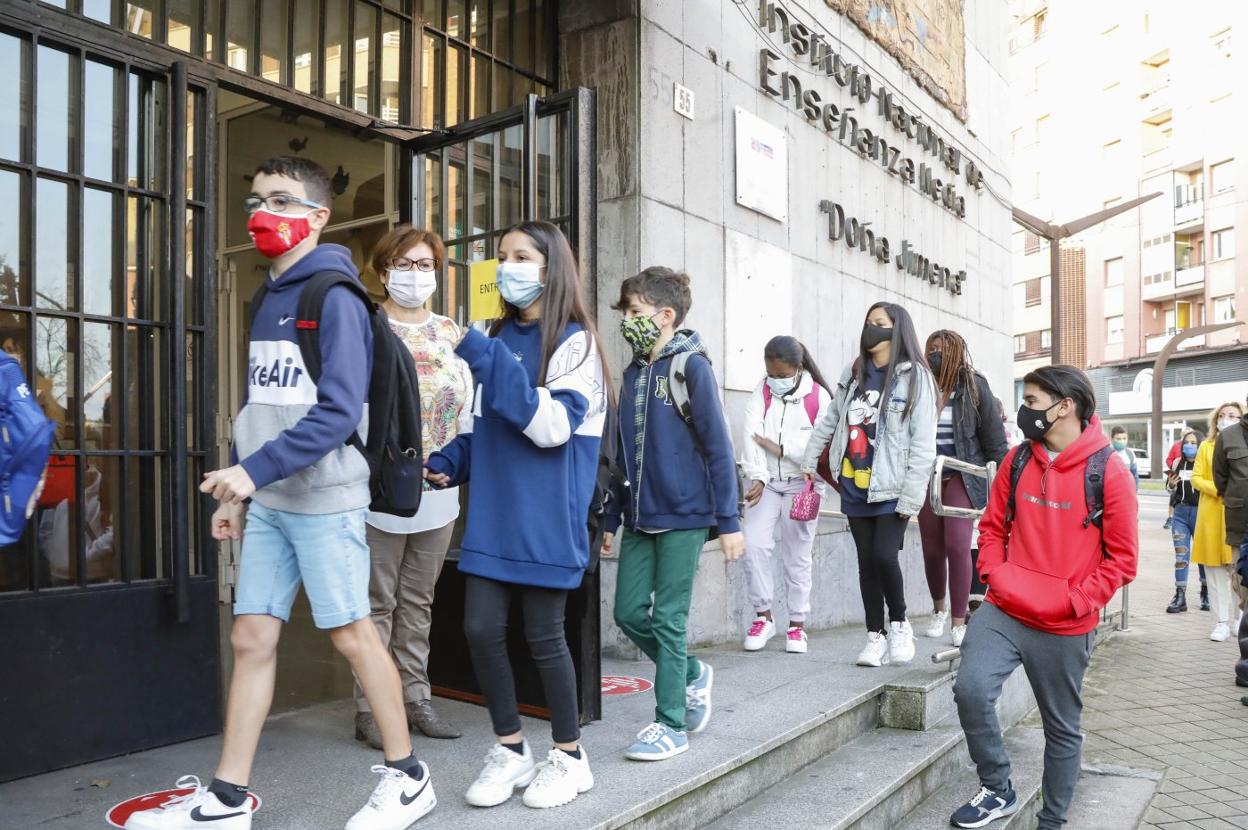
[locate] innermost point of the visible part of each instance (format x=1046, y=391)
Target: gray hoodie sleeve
x=921, y=428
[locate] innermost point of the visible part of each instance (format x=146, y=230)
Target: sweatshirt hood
x=1089, y=441
x=327, y=257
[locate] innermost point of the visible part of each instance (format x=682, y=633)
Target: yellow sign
x=484, y=302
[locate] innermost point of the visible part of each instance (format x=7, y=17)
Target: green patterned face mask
x=641, y=333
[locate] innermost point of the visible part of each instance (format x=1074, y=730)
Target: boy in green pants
x=681, y=484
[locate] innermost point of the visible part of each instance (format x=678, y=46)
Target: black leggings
x=879, y=540
x=486, y=606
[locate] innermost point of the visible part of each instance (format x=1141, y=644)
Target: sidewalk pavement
x=1163, y=696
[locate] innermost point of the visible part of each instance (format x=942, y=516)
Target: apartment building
x=1112, y=101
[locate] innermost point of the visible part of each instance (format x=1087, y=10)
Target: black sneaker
x=984, y=808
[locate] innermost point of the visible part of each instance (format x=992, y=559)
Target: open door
x=469, y=184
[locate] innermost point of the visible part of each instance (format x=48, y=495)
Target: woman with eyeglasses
x=407, y=553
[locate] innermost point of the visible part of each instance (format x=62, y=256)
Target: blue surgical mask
x=782, y=386
x=520, y=283
x=1189, y=451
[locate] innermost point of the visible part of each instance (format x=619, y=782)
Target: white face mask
x=783, y=386
x=1225, y=423
x=520, y=283
x=411, y=289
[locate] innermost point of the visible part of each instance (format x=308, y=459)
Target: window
x=1042, y=71
x=1046, y=339
x=1042, y=129
x=1113, y=272
x=1155, y=134
x=1035, y=185
x=1223, y=243
x=1031, y=243
x=1222, y=176
x=1039, y=25
x=1113, y=330
x=1014, y=141
x=1032, y=292
x=1224, y=309
x=1222, y=43
x=1020, y=344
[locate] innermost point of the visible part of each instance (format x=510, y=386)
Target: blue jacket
x=678, y=478
x=532, y=456
x=291, y=433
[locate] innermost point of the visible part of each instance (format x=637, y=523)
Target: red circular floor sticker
x=617, y=684
x=117, y=816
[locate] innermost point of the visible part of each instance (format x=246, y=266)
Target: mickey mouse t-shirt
x=861, y=417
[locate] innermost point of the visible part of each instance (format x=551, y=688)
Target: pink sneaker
x=795, y=641
x=761, y=630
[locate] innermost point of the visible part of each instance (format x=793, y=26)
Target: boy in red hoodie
x=1049, y=573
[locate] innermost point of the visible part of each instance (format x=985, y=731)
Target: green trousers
x=662, y=564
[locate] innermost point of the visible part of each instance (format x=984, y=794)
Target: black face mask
x=933, y=360
x=873, y=335
x=1034, y=423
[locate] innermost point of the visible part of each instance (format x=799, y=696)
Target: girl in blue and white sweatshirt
x=532, y=457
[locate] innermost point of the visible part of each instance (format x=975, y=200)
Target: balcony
x=1156, y=342
x=1189, y=206
x=1190, y=280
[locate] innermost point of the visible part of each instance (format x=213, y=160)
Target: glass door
x=470, y=184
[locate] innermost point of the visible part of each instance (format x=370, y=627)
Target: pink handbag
x=805, y=504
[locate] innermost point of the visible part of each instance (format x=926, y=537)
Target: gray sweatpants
x=995, y=645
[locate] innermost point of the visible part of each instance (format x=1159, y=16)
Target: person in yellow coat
x=1209, y=546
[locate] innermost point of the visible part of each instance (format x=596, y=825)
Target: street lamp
x=1159, y=371
x=1055, y=233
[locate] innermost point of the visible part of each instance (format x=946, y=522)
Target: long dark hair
x=956, y=371
x=905, y=348
x=790, y=351
x=563, y=299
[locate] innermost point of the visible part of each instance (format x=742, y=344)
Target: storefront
x=128, y=136
x=798, y=159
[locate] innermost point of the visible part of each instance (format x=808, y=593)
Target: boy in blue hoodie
x=304, y=489
x=681, y=484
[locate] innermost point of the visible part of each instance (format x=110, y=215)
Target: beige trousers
x=405, y=569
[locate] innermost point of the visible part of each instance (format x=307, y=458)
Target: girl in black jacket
x=969, y=428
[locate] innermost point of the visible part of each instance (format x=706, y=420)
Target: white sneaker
x=560, y=779
x=761, y=630
x=1220, y=632
x=397, y=801
x=197, y=810
x=900, y=642
x=936, y=627
x=795, y=640
x=504, y=771
x=959, y=634
x=876, y=652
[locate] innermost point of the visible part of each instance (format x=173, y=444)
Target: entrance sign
x=762, y=166
x=117, y=816
x=617, y=684
x=484, y=301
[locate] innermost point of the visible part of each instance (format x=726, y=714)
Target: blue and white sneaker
x=698, y=700
x=985, y=808
x=657, y=742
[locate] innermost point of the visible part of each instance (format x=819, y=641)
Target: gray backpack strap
x=678, y=386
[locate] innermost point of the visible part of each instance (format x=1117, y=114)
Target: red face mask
x=275, y=234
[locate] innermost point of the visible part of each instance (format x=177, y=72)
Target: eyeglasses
x=402, y=263
x=277, y=203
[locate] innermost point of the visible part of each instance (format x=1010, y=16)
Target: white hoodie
x=787, y=423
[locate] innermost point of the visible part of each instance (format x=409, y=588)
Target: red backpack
x=811, y=402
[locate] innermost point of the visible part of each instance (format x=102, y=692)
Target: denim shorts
x=326, y=552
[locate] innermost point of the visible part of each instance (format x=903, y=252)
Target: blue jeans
x=1183, y=525
x=326, y=552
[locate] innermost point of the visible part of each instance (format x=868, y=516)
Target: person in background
x=408, y=552
x=532, y=458
x=681, y=482
x=1184, y=502
x=778, y=421
x=881, y=428
x=968, y=429
x=1044, y=599
x=1172, y=458
x=1230, y=476
x=1118, y=437
x=1209, y=547
x=1013, y=435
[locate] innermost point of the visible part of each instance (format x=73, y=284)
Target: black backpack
x=394, y=448
x=1093, y=483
